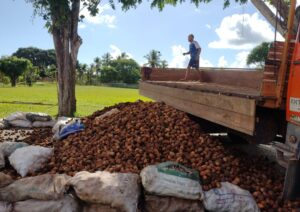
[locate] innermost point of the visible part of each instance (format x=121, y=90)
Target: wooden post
x=284, y=62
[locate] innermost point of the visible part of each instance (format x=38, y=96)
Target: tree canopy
x=127, y=69
x=160, y=4
x=13, y=67
x=38, y=57
x=106, y=69
x=153, y=59
x=258, y=55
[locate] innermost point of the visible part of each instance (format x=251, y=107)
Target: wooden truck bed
x=214, y=88
x=228, y=97
x=228, y=104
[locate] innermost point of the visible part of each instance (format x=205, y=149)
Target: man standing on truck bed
x=194, y=52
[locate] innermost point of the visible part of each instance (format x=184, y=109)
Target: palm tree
x=153, y=58
x=97, y=62
x=81, y=69
x=164, y=64
x=90, y=73
x=123, y=55
x=106, y=59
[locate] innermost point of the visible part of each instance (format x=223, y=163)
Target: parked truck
x=257, y=105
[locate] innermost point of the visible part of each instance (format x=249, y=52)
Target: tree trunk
x=67, y=43
x=13, y=82
x=269, y=15
x=283, y=10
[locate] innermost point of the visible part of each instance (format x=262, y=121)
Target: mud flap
x=291, y=189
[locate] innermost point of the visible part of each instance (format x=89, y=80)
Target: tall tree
x=81, y=70
x=13, y=67
x=90, y=73
x=106, y=59
x=123, y=55
x=153, y=59
x=109, y=74
x=127, y=69
x=164, y=64
x=98, y=62
x=43, y=59
x=258, y=55
x=62, y=19
x=2, y=76
x=38, y=57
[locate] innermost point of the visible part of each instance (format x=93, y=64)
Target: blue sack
x=71, y=128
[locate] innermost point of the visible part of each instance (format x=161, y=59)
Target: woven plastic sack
x=66, y=204
x=117, y=190
x=29, y=159
x=42, y=187
x=229, y=198
x=172, y=179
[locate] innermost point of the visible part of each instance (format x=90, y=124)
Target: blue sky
x=226, y=36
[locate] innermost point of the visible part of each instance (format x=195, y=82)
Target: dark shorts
x=194, y=63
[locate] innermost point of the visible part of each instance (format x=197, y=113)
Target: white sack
x=29, y=159
x=5, y=180
x=165, y=179
x=16, y=116
x=44, y=123
x=229, y=198
x=3, y=124
x=98, y=208
x=7, y=148
x=118, y=190
x=38, y=117
x=66, y=204
x=21, y=123
x=42, y=187
x=5, y=207
x=171, y=204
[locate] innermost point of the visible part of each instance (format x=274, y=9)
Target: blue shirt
x=194, y=50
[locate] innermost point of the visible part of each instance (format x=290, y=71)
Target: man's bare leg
x=200, y=73
x=187, y=72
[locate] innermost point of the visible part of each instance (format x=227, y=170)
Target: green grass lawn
x=89, y=98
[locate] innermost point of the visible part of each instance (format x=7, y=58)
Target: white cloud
x=222, y=62
x=180, y=61
x=243, y=32
x=201, y=11
x=208, y=26
x=205, y=63
x=100, y=18
x=81, y=26
x=116, y=51
x=240, y=60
